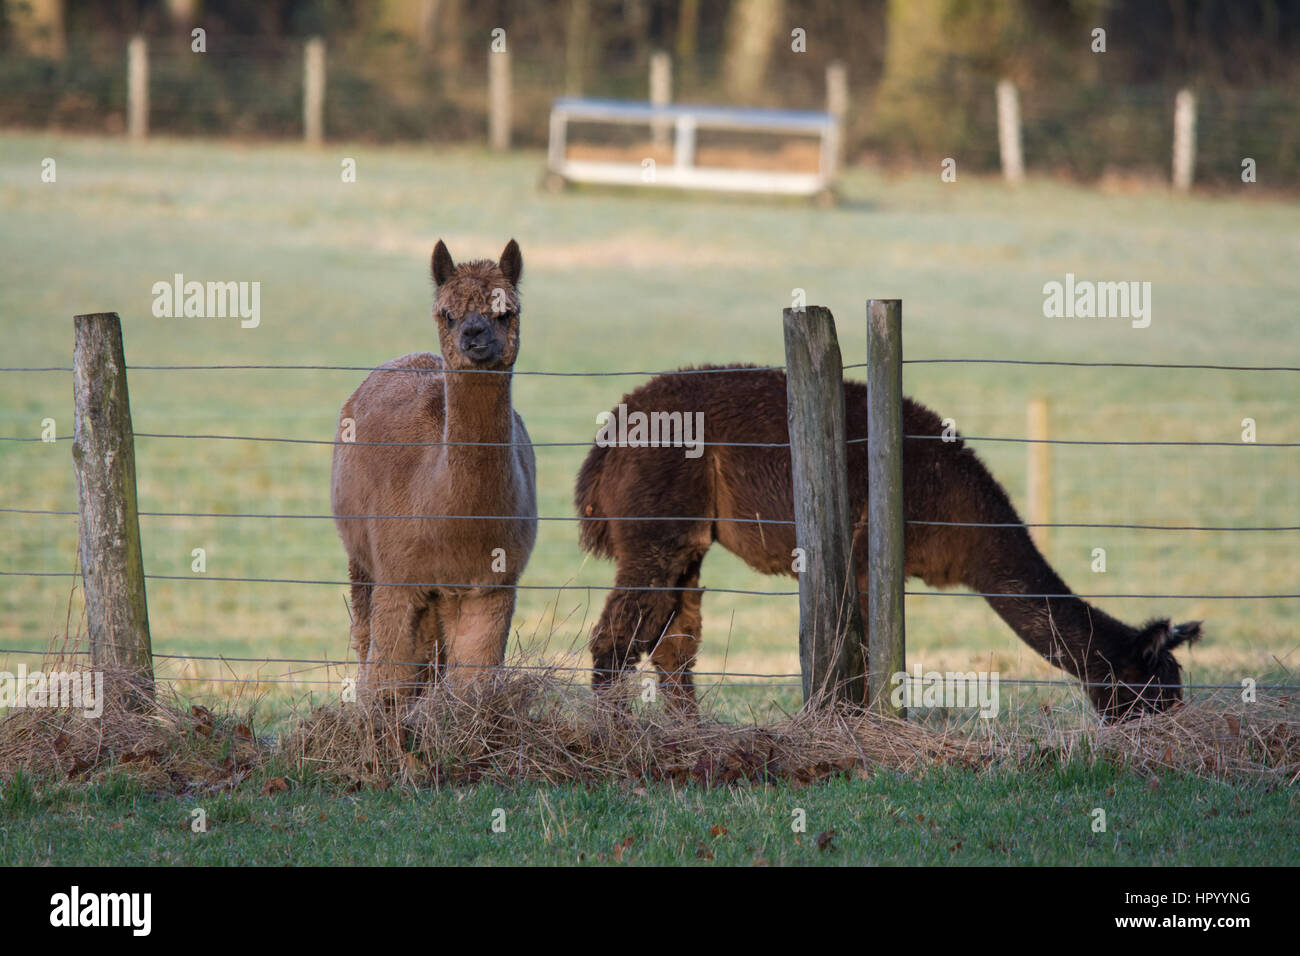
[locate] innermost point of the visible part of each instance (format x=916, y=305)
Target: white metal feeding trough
x=684, y=172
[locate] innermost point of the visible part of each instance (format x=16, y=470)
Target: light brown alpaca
x=476, y=460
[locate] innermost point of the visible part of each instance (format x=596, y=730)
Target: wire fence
x=727, y=679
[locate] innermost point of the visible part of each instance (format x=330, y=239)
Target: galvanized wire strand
x=412, y=584
x=710, y=518
x=509, y=667
x=1169, y=365
x=620, y=587
x=676, y=447
x=425, y=370
x=697, y=371
x=1185, y=597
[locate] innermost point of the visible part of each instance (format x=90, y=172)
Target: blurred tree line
x=921, y=71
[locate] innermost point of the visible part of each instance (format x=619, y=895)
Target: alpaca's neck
x=1069, y=632
x=477, y=409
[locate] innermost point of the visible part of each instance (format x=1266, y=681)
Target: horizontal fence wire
x=677, y=447
x=423, y=370
x=711, y=518
x=559, y=668
x=412, y=584
x=1063, y=364
x=430, y=585
x=680, y=371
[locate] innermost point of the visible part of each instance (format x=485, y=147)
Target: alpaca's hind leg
x=428, y=641
x=361, y=588
x=392, y=670
x=475, y=629
x=674, y=653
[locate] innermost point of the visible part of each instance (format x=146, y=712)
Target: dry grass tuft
x=532, y=725
x=1213, y=740
x=165, y=744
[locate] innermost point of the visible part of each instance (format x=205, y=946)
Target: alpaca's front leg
x=475, y=629
x=391, y=669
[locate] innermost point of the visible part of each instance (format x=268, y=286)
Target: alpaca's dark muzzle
x=476, y=339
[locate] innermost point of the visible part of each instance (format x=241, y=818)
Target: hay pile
x=536, y=727
x=523, y=725
x=166, y=745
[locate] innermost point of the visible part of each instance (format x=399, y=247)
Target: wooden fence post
x=1038, y=474
x=661, y=94
x=830, y=618
x=577, y=35
x=313, y=92
x=1184, y=139
x=1013, y=162
x=499, y=99
x=103, y=454
x=886, y=644
x=837, y=105
x=137, y=88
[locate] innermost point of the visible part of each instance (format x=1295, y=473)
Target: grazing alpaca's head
x=1150, y=680
x=477, y=308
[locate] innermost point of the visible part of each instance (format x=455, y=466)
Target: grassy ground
x=628, y=281
x=1043, y=817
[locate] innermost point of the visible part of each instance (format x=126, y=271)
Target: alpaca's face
x=1140, y=691
x=1153, y=680
x=476, y=308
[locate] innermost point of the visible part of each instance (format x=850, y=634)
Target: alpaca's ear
x=512, y=263
x=1187, y=633
x=1159, y=636
x=442, y=266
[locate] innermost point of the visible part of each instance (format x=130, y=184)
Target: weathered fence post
x=1038, y=474
x=499, y=99
x=837, y=105
x=103, y=454
x=1184, y=139
x=830, y=618
x=886, y=654
x=137, y=88
x=313, y=92
x=1013, y=163
x=661, y=93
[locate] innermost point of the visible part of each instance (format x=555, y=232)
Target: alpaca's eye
x=448, y=319
x=505, y=316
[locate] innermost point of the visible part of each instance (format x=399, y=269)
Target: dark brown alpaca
x=943, y=481
x=478, y=462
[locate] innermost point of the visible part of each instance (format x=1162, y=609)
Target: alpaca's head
x=1149, y=679
x=476, y=306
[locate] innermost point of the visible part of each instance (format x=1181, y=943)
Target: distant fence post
x=499, y=99
x=837, y=105
x=103, y=454
x=661, y=93
x=886, y=644
x=1184, y=139
x=830, y=618
x=1039, y=474
x=137, y=88
x=1013, y=162
x=313, y=92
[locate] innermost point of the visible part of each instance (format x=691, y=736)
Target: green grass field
x=943, y=818
x=618, y=281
